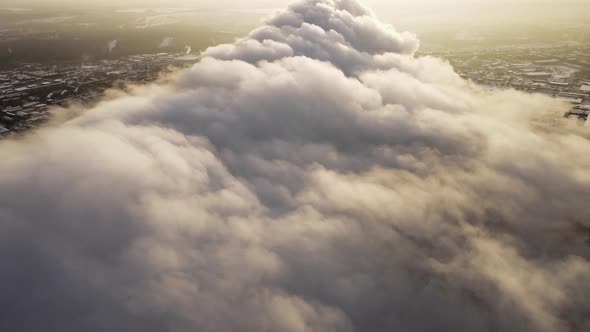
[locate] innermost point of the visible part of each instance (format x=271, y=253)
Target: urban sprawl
x=560, y=71
x=28, y=91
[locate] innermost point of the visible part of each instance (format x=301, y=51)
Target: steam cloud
x=166, y=42
x=111, y=45
x=314, y=176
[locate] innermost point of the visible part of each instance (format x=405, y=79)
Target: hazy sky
x=550, y=11
x=425, y=4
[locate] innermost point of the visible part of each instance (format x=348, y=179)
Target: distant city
x=27, y=91
x=45, y=63
x=559, y=70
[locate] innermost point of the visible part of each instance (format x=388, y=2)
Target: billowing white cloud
x=314, y=176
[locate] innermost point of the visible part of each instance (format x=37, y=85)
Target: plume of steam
x=166, y=42
x=188, y=49
x=9, y=51
x=314, y=176
x=111, y=45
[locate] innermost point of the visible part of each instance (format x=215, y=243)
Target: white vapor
x=111, y=45
x=188, y=49
x=166, y=42
x=314, y=176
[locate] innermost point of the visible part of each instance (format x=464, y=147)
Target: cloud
x=314, y=176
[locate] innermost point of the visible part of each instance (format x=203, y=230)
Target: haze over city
x=307, y=165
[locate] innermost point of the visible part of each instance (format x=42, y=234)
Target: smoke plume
x=166, y=42
x=111, y=45
x=314, y=176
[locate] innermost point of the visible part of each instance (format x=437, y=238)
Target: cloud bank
x=314, y=176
